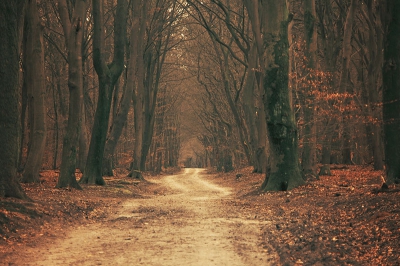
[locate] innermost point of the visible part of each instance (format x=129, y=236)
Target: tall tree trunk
x=249, y=107
x=86, y=119
x=326, y=157
x=283, y=165
x=56, y=122
x=35, y=82
x=262, y=146
x=11, y=18
x=391, y=92
x=309, y=160
x=155, y=64
x=83, y=139
x=258, y=70
x=344, y=82
x=136, y=73
x=24, y=128
x=150, y=91
x=374, y=65
x=117, y=127
x=329, y=33
x=73, y=31
x=108, y=75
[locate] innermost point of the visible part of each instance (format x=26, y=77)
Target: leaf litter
x=343, y=219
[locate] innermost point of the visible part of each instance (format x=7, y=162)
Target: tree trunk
x=329, y=34
x=56, y=122
x=117, y=127
x=35, y=82
x=24, y=128
x=11, y=18
x=283, y=170
x=155, y=64
x=262, y=145
x=344, y=83
x=374, y=65
x=136, y=73
x=391, y=92
x=83, y=139
x=73, y=31
x=256, y=68
x=309, y=160
x=86, y=119
x=108, y=75
x=326, y=159
x=249, y=107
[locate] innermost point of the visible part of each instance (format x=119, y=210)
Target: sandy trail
x=187, y=226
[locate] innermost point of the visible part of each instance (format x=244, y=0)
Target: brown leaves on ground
x=343, y=219
x=54, y=210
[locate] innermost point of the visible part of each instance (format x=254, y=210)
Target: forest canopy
x=286, y=87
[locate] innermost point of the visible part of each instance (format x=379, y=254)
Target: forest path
x=191, y=224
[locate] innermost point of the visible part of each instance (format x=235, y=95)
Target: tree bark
x=108, y=75
x=249, y=107
x=83, y=138
x=329, y=33
x=391, y=92
x=11, y=18
x=375, y=48
x=283, y=169
x=73, y=31
x=309, y=160
x=136, y=73
x=326, y=159
x=118, y=124
x=344, y=81
x=256, y=67
x=35, y=82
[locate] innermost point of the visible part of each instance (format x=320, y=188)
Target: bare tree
x=149, y=51
x=226, y=24
x=73, y=32
x=283, y=169
x=108, y=75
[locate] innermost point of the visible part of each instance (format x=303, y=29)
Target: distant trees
x=239, y=83
x=155, y=38
x=285, y=89
x=264, y=75
x=354, y=84
x=335, y=82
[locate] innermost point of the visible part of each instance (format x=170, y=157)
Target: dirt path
x=191, y=224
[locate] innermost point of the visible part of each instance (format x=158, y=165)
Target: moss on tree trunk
x=283, y=171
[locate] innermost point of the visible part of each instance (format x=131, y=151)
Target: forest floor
x=201, y=218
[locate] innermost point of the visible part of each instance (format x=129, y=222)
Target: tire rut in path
x=187, y=226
